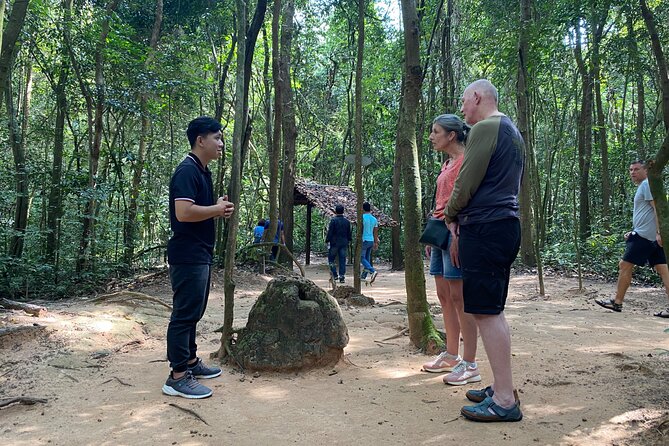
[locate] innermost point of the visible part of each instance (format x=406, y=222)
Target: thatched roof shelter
x=325, y=198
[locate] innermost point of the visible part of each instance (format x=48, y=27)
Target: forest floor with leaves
x=586, y=375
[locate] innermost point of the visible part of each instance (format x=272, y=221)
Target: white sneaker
x=442, y=363
x=463, y=373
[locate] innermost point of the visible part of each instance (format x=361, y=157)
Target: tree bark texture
x=275, y=150
x=54, y=206
x=656, y=166
x=130, y=224
x=584, y=138
x=88, y=220
x=10, y=37
x=528, y=226
x=288, y=126
x=421, y=328
x=360, y=194
x=234, y=191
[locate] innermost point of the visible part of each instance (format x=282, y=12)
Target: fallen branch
x=128, y=344
x=14, y=329
x=399, y=334
x=394, y=302
x=71, y=377
x=385, y=343
x=190, y=412
x=117, y=379
x=35, y=310
x=21, y=400
x=124, y=296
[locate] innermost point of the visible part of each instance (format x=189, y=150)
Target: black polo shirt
x=191, y=242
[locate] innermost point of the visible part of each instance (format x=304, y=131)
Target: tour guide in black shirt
x=189, y=253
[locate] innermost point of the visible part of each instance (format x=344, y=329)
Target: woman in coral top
x=448, y=135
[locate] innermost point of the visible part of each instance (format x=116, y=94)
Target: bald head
x=479, y=101
x=486, y=89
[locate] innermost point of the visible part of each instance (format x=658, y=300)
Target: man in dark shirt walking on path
x=483, y=213
x=189, y=252
x=338, y=237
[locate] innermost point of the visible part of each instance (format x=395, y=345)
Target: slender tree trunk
x=234, y=192
x=530, y=204
x=86, y=247
x=601, y=121
x=449, y=101
x=10, y=36
x=289, y=128
x=3, y=6
x=223, y=76
x=396, y=231
x=275, y=148
x=21, y=175
x=584, y=139
x=528, y=226
x=641, y=100
x=421, y=328
x=360, y=194
x=656, y=167
x=54, y=207
x=130, y=224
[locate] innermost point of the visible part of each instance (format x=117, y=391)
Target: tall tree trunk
x=601, y=121
x=421, y=328
x=289, y=128
x=641, y=96
x=10, y=37
x=223, y=76
x=130, y=224
x=656, y=167
x=21, y=174
x=360, y=194
x=584, y=138
x=275, y=148
x=54, y=207
x=449, y=101
x=528, y=226
x=530, y=189
x=234, y=192
x=3, y=6
x=396, y=231
x=86, y=243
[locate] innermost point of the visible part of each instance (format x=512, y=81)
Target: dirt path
x=586, y=376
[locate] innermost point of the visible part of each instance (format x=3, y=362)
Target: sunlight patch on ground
x=102, y=325
x=621, y=427
x=389, y=373
x=549, y=411
x=269, y=393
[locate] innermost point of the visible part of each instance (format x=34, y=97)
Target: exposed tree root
x=190, y=412
x=394, y=302
x=117, y=379
x=35, y=310
x=28, y=401
x=399, y=334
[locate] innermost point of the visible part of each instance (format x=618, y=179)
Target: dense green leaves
x=183, y=79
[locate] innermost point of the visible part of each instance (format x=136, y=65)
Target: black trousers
x=190, y=285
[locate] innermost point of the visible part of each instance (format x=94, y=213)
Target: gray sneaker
x=200, y=370
x=186, y=386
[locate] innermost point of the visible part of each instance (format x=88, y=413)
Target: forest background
x=97, y=95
